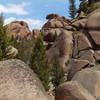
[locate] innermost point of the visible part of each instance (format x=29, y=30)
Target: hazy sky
x=33, y=11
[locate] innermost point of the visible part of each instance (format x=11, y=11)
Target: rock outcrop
x=86, y=44
x=19, y=82
x=55, y=25
x=72, y=91
x=19, y=30
x=90, y=79
x=85, y=39
x=59, y=39
x=61, y=49
x=93, y=28
x=78, y=49
x=76, y=65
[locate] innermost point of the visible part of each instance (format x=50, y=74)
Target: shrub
x=57, y=74
x=5, y=40
x=39, y=62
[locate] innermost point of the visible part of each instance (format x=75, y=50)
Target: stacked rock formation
x=86, y=48
x=19, y=30
x=84, y=64
x=77, y=40
x=61, y=47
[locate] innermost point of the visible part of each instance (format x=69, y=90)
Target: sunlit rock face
x=93, y=28
x=19, y=82
x=61, y=49
x=19, y=29
x=72, y=91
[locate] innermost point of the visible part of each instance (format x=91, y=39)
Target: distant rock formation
x=19, y=29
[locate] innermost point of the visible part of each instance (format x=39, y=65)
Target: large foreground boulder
x=90, y=80
x=19, y=82
x=72, y=91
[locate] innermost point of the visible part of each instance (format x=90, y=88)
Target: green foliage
x=88, y=6
x=5, y=40
x=57, y=74
x=39, y=62
x=89, y=1
x=76, y=32
x=24, y=50
x=98, y=62
x=72, y=9
x=83, y=5
x=92, y=8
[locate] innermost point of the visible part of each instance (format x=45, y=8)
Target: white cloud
x=18, y=9
x=33, y=23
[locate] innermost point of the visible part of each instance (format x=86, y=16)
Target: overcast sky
x=33, y=11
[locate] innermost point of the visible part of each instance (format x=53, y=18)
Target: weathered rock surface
x=52, y=16
x=75, y=66
x=97, y=55
x=61, y=49
x=55, y=25
x=79, y=24
x=72, y=91
x=50, y=34
x=93, y=28
x=18, y=82
x=55, y=21
x=87, y=55
x=19, y=29
x=90, y=79
x=81, y=15
x=81, y=43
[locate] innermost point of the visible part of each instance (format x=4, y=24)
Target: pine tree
x=57, y=74
x=5, y=40
x=39, y=62
x=89, y=1
x=83, y=5
x=72, y=8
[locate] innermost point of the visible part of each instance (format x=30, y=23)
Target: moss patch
x=76, y=32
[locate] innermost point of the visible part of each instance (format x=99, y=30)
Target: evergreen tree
x=72, y=8
x=89, y=1
x=83, y=5
x=5, y=40
x=57, y=74
x=39, y=62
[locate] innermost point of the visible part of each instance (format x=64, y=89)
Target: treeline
x=85, y=6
